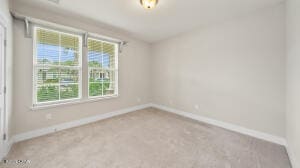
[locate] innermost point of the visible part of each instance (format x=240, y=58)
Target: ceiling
x=169, y=18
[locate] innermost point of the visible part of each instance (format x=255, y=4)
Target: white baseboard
x=232, y=127
x=291, y=156
x=52, y=129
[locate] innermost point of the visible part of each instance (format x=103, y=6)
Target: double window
x=59, y=63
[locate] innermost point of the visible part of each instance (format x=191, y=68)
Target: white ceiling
x=168, y=19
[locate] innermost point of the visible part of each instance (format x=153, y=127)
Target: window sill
x=70, y=102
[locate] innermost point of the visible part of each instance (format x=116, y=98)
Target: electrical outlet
x=171, y=102
x=197, y=107
x=49, y=116
x=138, y=100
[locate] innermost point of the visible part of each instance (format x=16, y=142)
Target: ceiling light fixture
x=149, y=4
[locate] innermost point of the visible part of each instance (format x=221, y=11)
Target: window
x=102, y=68
x=57, y=66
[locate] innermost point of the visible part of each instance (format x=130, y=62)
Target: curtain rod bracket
x=85, y=39
x=121, y=45
x=27, y=28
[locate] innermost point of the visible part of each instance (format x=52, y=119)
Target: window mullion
x=101, y=72
x=116, y=71
x=85, y=72
x=59, y=70
x=35, y=87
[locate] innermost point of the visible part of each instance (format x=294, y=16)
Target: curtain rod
x=27, y=20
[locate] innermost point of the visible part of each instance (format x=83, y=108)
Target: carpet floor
x=148, y=138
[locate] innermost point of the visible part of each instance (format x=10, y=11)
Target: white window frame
x=116, y=70
x=83, y=83
x=35, y=67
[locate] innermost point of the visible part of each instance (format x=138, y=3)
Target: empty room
x=150, y=83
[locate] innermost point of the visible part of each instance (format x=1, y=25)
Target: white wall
x=133, y=75
x=293, y=80
x=5, y=15
x=234, y=71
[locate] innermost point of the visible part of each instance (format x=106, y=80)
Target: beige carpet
x=148, y=138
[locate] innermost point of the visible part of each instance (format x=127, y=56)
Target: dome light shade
x=149, y=4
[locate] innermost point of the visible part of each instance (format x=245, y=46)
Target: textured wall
x=233, y=72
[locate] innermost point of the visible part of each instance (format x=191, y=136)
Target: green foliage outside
x=51, y=93
x=69, y=91
x=47, y=93
x=49, y=79
x=95, y=89
x=94, y=64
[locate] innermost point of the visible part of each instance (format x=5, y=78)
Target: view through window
x=58, y=67
x=102, y=69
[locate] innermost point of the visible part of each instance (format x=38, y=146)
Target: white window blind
x=102, y=68
x=57, y=66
